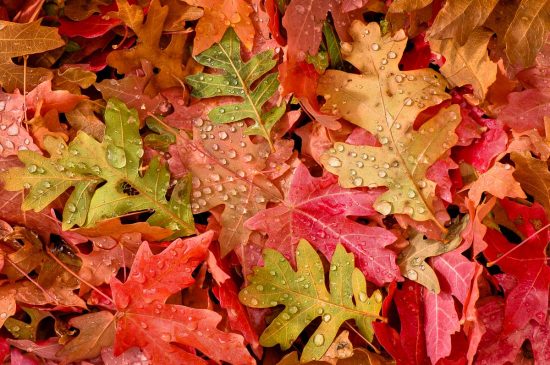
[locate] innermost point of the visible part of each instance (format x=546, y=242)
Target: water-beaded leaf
x=385, y=101
x=238, y=80
x=305, y=296
x=85, y=163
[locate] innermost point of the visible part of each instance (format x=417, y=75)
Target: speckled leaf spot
x=227, y=170
x=412, y=261
x=85, y=163
x=385, y=101
x=237, y=81
x=304, y=294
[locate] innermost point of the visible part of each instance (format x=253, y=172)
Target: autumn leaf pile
x=274, y=182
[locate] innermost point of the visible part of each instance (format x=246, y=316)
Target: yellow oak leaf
x=385, y=101
x=218, y=16
x=17, y=40
x=468, y=64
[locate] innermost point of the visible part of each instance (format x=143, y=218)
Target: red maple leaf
x=316, y=209
x=146, y=321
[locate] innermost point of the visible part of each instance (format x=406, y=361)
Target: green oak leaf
x=238, y=80
x=305, y=297
x=105, y=176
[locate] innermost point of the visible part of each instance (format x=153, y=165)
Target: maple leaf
x=498, y=181
x=167, y=60
x=237, y=81
x=218, y=17
x=145, y=321
x=96, y=331
x=17, y=40
x=13, y=136
x=533, y=176
x=457, y=19
x=305, y=297
x=441, y=322
x=412, y=259
x=468, y=64
x=316, y=210
x=226, y=167
x=85, y=163
x=526, y=262
x=385, y=101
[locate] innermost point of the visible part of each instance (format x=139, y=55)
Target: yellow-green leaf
x=305, y=297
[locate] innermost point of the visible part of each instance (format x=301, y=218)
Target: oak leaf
x=412, y=260
x=468, y=63
x=316, y=209
x=168, y=60
x=237, y=80
x=218, y=17
x=18, y=40
x=227, y=170
x=304, y=294
x=385, y=101
x=85, y=163
x=146, y=321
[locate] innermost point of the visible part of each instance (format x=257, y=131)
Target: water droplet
x=27, y=185
x=248, y=157
x=412, y=274
x=223, y=135
x=32, y=168
x=231, y=153
x=327, y=317
x=260, y=287
x=384, y=207
x=382, y=173
x=408, y=102
x=13, y=130
x=411, y=193
x=358, y=181
x=375, y=46
x=333, y=267
x=116, y=156
x=377, y=297
x=254, y=301
x=319, y=339
x=334, y=162
x=285, y=316
x=293, y=309
x=392, y=55
x=363, y=297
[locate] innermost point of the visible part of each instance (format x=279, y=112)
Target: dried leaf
x=18, y=40
x=468, y=64
x=534, y=177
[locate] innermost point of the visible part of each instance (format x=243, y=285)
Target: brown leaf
x=18, y=40
x=468, y=64
x=96, y=331
x=534, y=177
x=457, y=19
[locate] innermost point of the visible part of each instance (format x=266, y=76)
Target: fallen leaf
x=17, y=40
x=277, y=283
x=316, y=209
x=468, y=64
x=498, y=181
x=533, y=176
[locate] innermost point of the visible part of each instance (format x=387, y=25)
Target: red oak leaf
x=316, y=209
x=526, y=263
x=145, y=321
